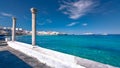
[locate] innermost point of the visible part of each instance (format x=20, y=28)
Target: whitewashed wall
x=55, y=59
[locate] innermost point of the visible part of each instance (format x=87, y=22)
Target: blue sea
x=100, y=48
x=2, y=37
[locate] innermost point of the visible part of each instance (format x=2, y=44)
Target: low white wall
x=55, y=59
x=51, y=58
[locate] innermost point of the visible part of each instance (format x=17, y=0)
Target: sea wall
x=55, y=59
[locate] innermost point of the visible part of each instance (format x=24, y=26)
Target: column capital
x=13, y=18
x=33, y=10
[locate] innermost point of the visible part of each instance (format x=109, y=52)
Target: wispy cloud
x=25, y=17
x=45, y=22
x=40, y=24
x=1, y=17
x=84, y=24
x=6, y=14
x=77, y=8
x=48, y=20
x=72, y=24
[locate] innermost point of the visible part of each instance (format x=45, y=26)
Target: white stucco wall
x=49, y=57
x=55, y=59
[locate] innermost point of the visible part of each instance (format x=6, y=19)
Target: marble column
x=13, y=28
x=33, y=10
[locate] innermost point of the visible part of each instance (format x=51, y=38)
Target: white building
x=47, y=33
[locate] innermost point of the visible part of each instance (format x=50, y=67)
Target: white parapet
x=55, y=59
x=49, y=57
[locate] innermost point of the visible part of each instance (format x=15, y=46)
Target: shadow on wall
x=9, y=60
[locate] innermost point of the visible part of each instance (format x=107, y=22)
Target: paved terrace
x=11, y=58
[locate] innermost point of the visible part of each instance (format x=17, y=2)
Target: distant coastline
x=7, y=31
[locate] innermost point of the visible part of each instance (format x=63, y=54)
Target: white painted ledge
x=53, y=58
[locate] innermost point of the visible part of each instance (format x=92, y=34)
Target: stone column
x=33, y=10
x=13, y=28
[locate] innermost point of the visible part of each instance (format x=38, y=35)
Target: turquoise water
x=105, y=49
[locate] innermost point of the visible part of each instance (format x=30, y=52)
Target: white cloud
x=77, y=9
x=6, y=14
x=45, y=22
x=1, y=17
x=25, y=17
x=84, y=24
x=40, y=24
x=49, y=20
x=72, y=24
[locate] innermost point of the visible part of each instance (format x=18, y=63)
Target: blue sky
x=69, y=16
